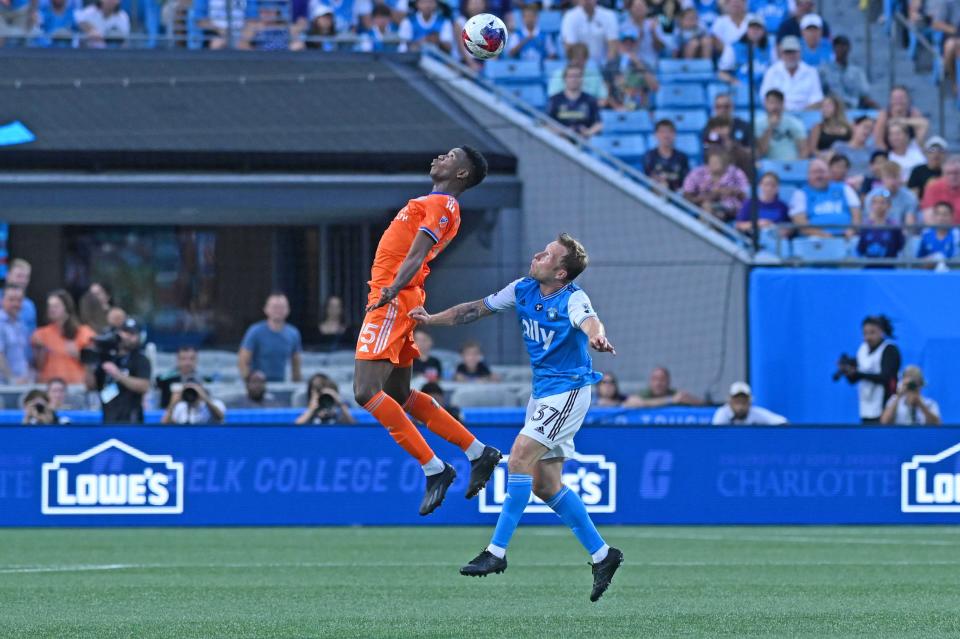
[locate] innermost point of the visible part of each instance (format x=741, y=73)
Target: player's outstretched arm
x=593, y=327
x=411, y=265
x=459, y=314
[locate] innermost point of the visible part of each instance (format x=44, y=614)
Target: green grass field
x=403, y=582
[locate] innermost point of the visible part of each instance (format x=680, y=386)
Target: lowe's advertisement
x=253, y=475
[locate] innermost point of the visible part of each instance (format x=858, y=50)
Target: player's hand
x=387, y=295
x=420, y=315
x=601, y=344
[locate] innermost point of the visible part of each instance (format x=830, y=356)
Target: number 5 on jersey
x=368, y=336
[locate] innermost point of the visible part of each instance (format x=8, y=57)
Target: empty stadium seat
x=740, y=94
x=512, y=71
x=549, y=21
x=550, y=67
x=680, y=95
x=684, y=119
x=533, y=94
x=615, y=122
x=629, y=148
x=809, y=118
x=786, y=192
x=820, y=248
x=793, y=172
x=480, y=395
x=674, y=70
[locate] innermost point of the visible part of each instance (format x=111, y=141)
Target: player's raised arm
x=459, y=314
x=593, y=327
x=410, y=266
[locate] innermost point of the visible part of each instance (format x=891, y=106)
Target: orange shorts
x=387, y=332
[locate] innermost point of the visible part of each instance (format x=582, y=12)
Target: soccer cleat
x=481, y=468
x=484, y=564
x=603, y=572
x=437, y=489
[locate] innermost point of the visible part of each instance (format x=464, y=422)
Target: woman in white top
x=903, y=150
x=909, y=406
x=876, y=368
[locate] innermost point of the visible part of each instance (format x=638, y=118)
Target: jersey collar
x=440, y=193
x=554, y=294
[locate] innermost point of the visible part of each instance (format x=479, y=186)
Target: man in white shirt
x=731, y=26
x=798, y=81
x=192, y=404
x=593, y=26
x=740, y=411
x=103, y=23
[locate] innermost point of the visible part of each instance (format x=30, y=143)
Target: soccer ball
x=484, y=36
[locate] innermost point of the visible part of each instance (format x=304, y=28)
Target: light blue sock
x=519, y=487
x=570, y=508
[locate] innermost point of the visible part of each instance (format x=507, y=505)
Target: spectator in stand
x=175, y=17
x=665, y=164
x=269, y=344
x=936, y=152
x=123, y=380
x=472, y=368
x=739, y=129
x=257, y=396
x=844, y=80
x=940, y=243
x=212, y=15
x=771, y=210
x=271, y=31
x=608, y=392
x=184, y=372
x=876, y=238
x=14, y=339
x=900, y=111
x=16, y=19
x=859, y=147
x=322, y=28
x=944, y=17
x=594, y=26
x=795, y=79
x=731, y=26
x=780, y=136
x=909, y=407
x=103, y=24
x=873, y=178
x=593, y=83
x=57, y=23
x=874, y=369
x=350, y=15
x=733, y=66
x=691, y=41
x=659, y=393
x=740, y=411
x=324, y=404
x=650, y=42
x=382, y=30
x=426, y=365
x=57, y=345
x=902, y=150
x=528, y=41
x=427, y=27
x=821, y=201
x=943, y=189
x=37, y=410
x=435, y=391
x=814, y=48
x=834, y=127
x=18, y=274
x=94, y=304
x=719, y=187
x=791, y=26
x=574, y=108
x=334, y=333
x=667, y=13
x=839, y=167
x=116, y=317
x=191, y=403
x=60, y=400
x=718, y=134
x=469, y=9
x=633, y=82
x=903, y=203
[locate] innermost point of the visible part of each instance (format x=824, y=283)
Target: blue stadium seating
x=786, y=192
x=809, y=118
x=790, y=172
x=685, y=119
x=626, y=122
x=550, y=67
x=533, y=94
x=629, y=148
x=740, y=93
x=672, y=70
x=512, y=71
x=688, y=143
x=550, y=21
x=820, y=248
x=680, y=95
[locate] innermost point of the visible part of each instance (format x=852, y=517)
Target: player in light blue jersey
x=559, y=327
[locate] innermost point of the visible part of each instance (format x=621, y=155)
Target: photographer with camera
x=185, y=372
x=38, y=412
x=119, y=372
x=324, y=405
x=909, y=407
x=874, y=369
x=190, y=403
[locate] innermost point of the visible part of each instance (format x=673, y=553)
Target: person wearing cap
x=733, y=65
x=936, y=151
x=791, y=26
x=943, y=189
x=731, y=26
x=846, y=81
x=877, y=239
x=814, y=48
x=797, y=80
x=740, y=411
x=123, y=380
x=909, y=407
x=904, y=205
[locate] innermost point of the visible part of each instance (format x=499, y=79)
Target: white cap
x=811, y=20
x=740, y=388
x=936, y=141
x=318, y=9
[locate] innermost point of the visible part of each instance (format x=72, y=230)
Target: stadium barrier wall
x=255, y=475
x=801, y=320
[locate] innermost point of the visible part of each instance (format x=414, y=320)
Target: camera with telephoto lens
x=326, y=400
x=911, y=385
x=105, y=347
x=844, y=363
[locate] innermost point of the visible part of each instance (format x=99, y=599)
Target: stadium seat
x=853, y=114
x=629, y=148
x=786, y=192
x=910, y=247
x=809, y=118
x=550, y=67
x=685, y=119
x=480, y=395
x=794, y=172
x=533, y=94
x=820, y=248
x=626, y=122
x=680, y=95
x=512, y=71
x=740, y=93
x=549, y=21
x=674, y=70
x=771, y=241
x=838, y=222
x=688, y=143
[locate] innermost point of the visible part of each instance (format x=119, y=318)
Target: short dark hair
x=944, y=203
x=183, y=348
x=382, y=10
x=432, y=388
x=665, y=123
x=470, y=343
x=878, y=154
x=576, y=259
x=880, y=321
x=478, y=166
x=774, y=93
x=863, y=118
x=56, y=380
x=36, y=393
x=839, y=157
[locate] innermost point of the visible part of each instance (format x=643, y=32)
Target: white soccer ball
x=484, y=35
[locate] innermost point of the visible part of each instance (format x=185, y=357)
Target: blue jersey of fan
x=559, y=350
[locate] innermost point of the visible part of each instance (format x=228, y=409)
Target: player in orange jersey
x=385, y=348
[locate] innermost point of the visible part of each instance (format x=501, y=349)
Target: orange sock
x=389, y=413
x=438, y=420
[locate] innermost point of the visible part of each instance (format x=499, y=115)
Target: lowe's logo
x=112, y=479
x=590, y=476
x=931, y=483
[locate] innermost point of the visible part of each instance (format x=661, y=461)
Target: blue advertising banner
x=254, y=475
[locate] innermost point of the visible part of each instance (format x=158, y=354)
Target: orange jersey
x=437, y=215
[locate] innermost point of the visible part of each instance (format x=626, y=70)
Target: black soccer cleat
x=484, y=564
x=603, y=572
x=437, y=489
x=481, y=468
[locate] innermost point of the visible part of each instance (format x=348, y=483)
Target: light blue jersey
x=558, y=348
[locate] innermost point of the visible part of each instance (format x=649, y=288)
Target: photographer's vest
x=871, y=393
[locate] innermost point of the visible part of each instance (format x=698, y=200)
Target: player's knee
x=546, y=490
x=522, y=458
x=363, y=393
